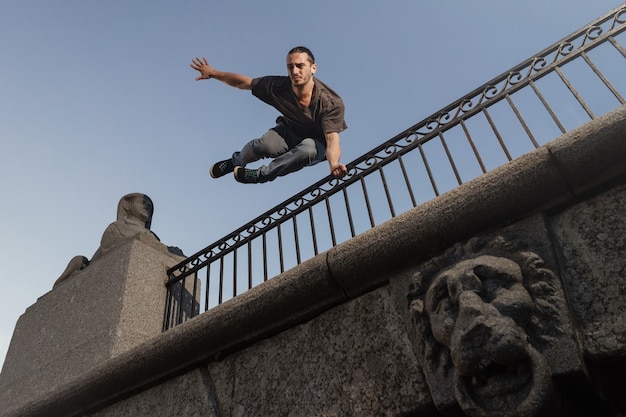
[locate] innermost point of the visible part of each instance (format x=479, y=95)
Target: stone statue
x=134, y=218
x=485, y=314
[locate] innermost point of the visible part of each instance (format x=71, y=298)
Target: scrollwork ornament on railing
x=223, y=246
x=282, y=212
x=198, y=261
x=592, y=34
x=444, y=117
x=489, y=92
x=237, y=238
x=251, y=229
x=431, y=125
x=370, y=161
x=564, y=49
x=513, y=78
x=617, y=18
x=274, y=220
x=411, y=138
x=266, y=221
x=300, y=202
x=315, y=193
x=335, y=182
x=465, y=106
x=538, y=64
x=391, y=149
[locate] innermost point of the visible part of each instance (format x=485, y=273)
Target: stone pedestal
x=114, y=304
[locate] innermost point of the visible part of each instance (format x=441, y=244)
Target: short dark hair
x=303, y=50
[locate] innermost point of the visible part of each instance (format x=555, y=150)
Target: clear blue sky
x=97, y=100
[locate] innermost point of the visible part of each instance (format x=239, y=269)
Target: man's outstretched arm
x=242, y=82
x=333, y=153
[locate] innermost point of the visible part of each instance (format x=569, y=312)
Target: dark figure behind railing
x=564, y=86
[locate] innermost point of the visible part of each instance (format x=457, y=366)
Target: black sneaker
x=222, y=168
x=246, y=176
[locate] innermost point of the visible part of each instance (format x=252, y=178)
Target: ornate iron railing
x=562, y=87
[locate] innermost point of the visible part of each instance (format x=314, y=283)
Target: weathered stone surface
x=490, y=324
x=592, y=237
x=592, y=154
x=107, y=308
x=354, y=360
x=188, y=395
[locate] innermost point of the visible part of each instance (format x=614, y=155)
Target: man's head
x=303, y=50
x=301, y=66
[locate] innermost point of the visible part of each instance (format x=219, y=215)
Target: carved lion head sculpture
x=485, y=312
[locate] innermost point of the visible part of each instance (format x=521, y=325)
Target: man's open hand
x=202, y=65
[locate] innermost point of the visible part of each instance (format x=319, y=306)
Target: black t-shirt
x=325, y=113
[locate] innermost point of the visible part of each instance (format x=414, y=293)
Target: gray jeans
x=290, y=151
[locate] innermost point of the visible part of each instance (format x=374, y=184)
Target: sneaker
x=246, y=176
x=221, y=168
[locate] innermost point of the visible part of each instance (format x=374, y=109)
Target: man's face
x=300, y=69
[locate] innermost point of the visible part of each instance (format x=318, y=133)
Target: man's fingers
x=201, y=65
x=340, y=172
x=196, y=63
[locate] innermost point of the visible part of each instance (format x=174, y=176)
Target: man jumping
x=305, y=134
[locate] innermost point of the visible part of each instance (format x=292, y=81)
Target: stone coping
x=559, y=173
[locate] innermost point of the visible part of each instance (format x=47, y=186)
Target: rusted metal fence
x=562, y=87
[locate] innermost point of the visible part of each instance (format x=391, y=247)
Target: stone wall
x=99, y=312
x=503, y=297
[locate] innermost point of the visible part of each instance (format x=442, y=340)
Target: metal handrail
x=444, y=133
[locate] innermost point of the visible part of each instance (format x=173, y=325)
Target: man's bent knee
x=309, y=150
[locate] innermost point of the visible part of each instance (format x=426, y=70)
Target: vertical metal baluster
x=192, y=311
x=280, y=248
x=330, y=221
x=221, y=285
x=297, y=240
x=208, y=286
x=473, y=146
x=521, y=120
x=249, y=264
x=313, y=234
x=498, y=136
x=573, y=90
x=348, y=211
x=406, y=180
x=427, y=166
x=168, y=304
x=606, y=82
x=386, y=188
x=179, y=313
x=546, y=105
x=367, y=202
x=265, y=277
x=617, y=46
x=449, y=155
x=235, y=272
